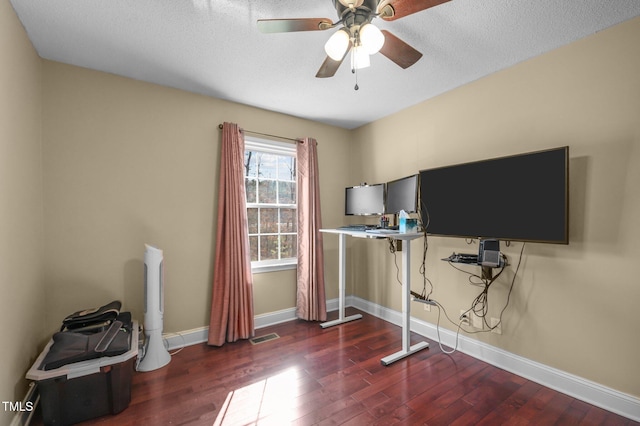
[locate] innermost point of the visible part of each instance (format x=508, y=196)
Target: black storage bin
x=85, y=390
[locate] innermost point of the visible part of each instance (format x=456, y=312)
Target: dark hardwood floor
x=331, y=376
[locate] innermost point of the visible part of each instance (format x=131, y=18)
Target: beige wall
x=128, y=163
x=573, y=307
x=22, y=299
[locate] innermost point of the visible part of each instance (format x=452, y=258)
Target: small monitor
x=365, y=200
x=402, y=194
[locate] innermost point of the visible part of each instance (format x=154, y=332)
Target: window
x=270, y=183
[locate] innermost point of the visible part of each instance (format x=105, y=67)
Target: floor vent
x=265, y=338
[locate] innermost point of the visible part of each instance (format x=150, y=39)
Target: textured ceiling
x=213, y=47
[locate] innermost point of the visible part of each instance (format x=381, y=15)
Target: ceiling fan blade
x=396, y=9
x=289, y=25
x=329, y=68
x=399, y=51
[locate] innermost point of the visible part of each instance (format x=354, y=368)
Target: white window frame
x=278, y=148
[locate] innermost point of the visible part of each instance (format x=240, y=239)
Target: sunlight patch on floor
x=269, y=401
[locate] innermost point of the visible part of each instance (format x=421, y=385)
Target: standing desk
x=406, y=287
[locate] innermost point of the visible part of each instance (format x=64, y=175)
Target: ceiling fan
x=357, y=34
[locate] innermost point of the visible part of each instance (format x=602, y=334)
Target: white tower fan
x=155, y=354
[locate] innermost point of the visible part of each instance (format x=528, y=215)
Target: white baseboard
x=185, y=338
x=194, y=336
x=569, y=384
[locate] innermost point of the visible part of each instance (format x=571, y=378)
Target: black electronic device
x=489, y=253
x=518, y=198
x=402, y=194
x=364, y=200
x=471, y=259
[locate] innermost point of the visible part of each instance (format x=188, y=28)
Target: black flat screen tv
x=402, y=194
x=516, y=198
x=364, y=200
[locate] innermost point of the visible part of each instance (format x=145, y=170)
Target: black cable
x=425, y=248
x=480, y=304
x=392, y=246
x=513, y=280
x=393, y=250
x=471, y=274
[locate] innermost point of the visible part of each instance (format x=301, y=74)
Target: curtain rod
x=265, y=134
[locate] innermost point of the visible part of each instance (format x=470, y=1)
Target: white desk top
x=374, y=234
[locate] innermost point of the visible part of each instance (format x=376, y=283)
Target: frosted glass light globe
x=359, y=58
x=371, y=38
x=337, y=45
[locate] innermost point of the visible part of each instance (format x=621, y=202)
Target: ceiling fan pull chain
x=355, y=71
x=354, y=68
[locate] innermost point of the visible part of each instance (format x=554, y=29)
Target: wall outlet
x=427, y=307
x=464, y=317
x=478, y=322
x=496, y=326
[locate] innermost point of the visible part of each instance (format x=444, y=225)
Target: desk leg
x=342, y=253
x=406, y=312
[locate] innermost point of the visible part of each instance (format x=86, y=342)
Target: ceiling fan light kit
x=371, y=38
x=357, y=34
x=337, y=45
x=359, y=58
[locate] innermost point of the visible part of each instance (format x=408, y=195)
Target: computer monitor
x=364, y=200
x=402, y=194
x=521, y=197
